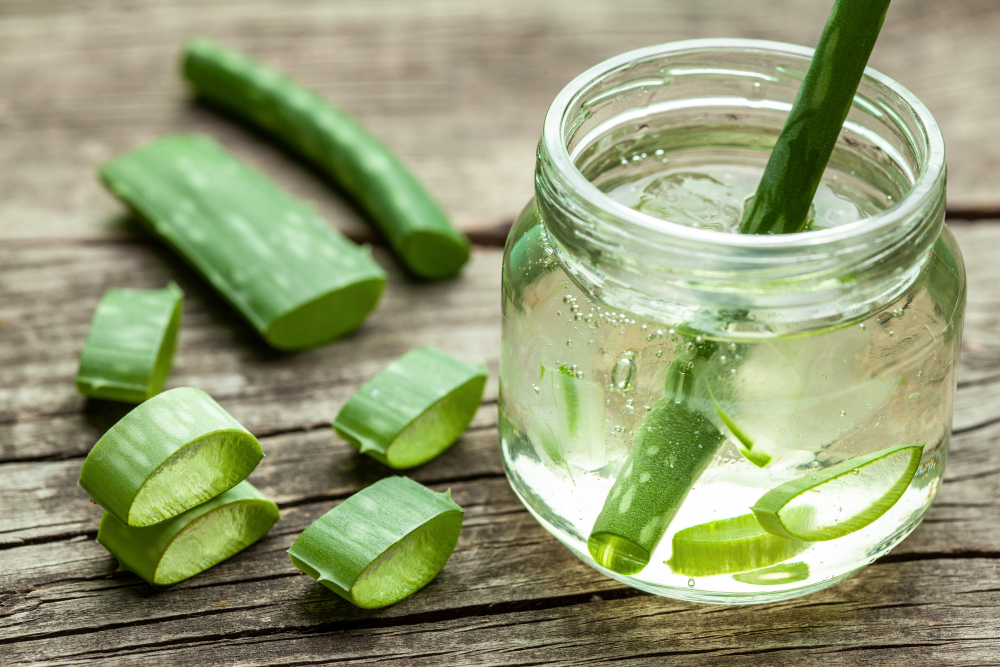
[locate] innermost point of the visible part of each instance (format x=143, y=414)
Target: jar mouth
x=925, y=188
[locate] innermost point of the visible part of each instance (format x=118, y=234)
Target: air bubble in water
x=622, y=375
x=690, y=583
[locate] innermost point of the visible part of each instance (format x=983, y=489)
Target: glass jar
x=714, y=416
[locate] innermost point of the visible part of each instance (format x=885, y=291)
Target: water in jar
x=580, y=379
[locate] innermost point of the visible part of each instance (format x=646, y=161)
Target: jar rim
x=923, y=190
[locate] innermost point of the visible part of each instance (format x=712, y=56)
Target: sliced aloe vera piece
x=413, y=223
x=189, y=543
x=414, y=409
x=755, y=456
x=670, y=451
x=130, y=344
x=841, y=499
x=571, y=410
x=294, y=278
x=785, y=573
x=382, y=544
x=727, y=546
x=171, y=453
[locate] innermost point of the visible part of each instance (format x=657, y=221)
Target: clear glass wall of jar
x=658, y=374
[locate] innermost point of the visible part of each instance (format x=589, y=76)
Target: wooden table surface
x=459, y=89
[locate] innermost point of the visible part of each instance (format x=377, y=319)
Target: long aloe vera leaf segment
x=171, y=453
x=189, y=543
x=670, y=450
x=130, y=344
x=795, y=168
x=382, y=544
x=294, y=278
x=414, y=409
x=841, y=499
x=729, y=546
x=414, y=224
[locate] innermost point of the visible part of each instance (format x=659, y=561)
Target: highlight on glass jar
x=716, y=416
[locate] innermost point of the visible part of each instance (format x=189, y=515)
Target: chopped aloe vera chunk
x=414, y=409
x=413, y=223
x=671, y=450
x=785, y=573
x=382, y=544
x=130, y=344
x=176, y=450
x=299, y=282
x=727, y=546
x=189, y=543
x=743, y=442
x=841, y=499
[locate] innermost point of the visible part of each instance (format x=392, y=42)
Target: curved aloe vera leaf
x=795, y=168
x=728, y=546
x=785, y=573
x=572, y=412
x=414, y=224
x=382, y=544
x=130, y=344
x=743, y=441
x=414, y=409
x=296, y=280
x=189, y=543
x=841, y=499
x=171, y=453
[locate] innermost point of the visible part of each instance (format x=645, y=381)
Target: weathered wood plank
x=458, y=88
x=924, y=612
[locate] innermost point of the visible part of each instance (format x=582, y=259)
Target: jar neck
x=732, y=284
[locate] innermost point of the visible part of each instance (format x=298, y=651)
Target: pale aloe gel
x=169, y=454
x=382, y=544
x=841, y=499
x=785, y=573
x=189, y=543
x=414, y=409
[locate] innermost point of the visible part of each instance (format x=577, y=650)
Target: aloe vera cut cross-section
x=130, y=344
x=414, y=409
x=841, y=499
x=382, y=544
x=191, y=542
x=171, y=453
x=299, y=282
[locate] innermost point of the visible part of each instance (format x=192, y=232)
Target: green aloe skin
x=648, y=492
x=414, y=409
x=181, y=547
x=415, y=225
x=299, y=282
x=130, y=344
x=382, y=544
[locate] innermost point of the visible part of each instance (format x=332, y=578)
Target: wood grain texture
x=458, y=87
x=511, y=595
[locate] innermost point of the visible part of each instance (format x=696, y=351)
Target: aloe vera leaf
x=743, y=441
x=841, y=499
x=130, y=344
x=411, y=220
x=414, y=409
x=728, y=546
x=171, y=453
x=795, y=168
x=382, y=544
x=785, y=573
x=191, y=542
x=294, y=278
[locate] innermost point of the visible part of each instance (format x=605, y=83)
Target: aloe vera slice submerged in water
x=189, y=543
x=382, y=544
x=729, y=546
x=130, y=344
x=171, y=453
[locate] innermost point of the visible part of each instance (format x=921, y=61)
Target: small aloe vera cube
x=294, y=278
x=171, y=453
x=841, y=499
x=414, y=409
x=189, y=543
x=130, y=344
x=382, y=544
x=727, y=546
